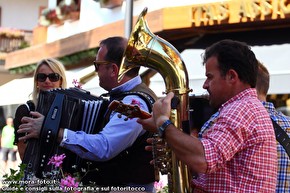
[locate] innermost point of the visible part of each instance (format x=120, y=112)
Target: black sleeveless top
x=133, y=164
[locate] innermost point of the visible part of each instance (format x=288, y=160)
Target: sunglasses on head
x=98, y=63
x=53, y=77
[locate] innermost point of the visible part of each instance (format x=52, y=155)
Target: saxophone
x=148, y=50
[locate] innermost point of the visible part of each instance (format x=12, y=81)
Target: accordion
x=72, y=108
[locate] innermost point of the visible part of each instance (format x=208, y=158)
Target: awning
x=276, y=59
x=17, y=91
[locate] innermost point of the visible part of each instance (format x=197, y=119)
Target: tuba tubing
x=148, y=50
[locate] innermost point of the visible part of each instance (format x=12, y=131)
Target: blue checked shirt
x=283, y=180
x=208, y=124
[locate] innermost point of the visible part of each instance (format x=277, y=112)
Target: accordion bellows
x=72, y=108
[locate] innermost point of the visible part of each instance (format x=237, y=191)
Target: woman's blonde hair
x=57, y=67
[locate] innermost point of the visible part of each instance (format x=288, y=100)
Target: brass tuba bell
x=148, y=50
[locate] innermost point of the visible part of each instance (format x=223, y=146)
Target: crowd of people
x=236, y=150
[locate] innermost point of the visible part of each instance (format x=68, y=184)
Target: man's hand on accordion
x=31, y=126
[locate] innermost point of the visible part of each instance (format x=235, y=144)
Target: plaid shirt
x=283, y=179
x=239, y=145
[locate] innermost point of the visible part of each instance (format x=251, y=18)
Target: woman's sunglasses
x=53, y=77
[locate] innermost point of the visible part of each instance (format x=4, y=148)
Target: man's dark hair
x=237, y=56
x=115, y=49
x=263, y=79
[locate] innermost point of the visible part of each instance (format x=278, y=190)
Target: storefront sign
x=237, y=11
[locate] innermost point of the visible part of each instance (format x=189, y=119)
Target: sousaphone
x=148, y=50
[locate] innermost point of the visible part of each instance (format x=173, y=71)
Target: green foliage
x=24, y=44
x=13, y=180
x=77, y=57
x=23, y=69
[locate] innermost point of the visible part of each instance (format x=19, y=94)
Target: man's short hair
x=263, y=79
x=234, y=55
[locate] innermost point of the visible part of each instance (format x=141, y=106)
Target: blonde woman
x=49, y=74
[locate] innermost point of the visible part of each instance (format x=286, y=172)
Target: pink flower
x=56, y=160
x=158, y=185
x=135, y=102
x=68, y=182
x=76, y=83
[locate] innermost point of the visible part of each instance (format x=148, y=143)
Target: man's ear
x=115, y=69
x=232, y=74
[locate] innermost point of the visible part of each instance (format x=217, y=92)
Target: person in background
x=235, y=150
x=283, y=178
x=7, y=144
x=119, y=149
x=49, y=74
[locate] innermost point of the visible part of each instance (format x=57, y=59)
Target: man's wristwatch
x=162, y=128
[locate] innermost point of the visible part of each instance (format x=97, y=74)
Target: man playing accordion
x=118, y=150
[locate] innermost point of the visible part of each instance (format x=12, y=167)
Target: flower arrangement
x=58, y=180
x=67, y=182
x=50, y=16
x=58, y=14
x=11, y=33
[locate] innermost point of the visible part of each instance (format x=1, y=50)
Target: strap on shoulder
x=146, y=97
x=282, y=137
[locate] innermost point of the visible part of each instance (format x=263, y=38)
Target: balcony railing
x=11, y=39
x=9, y=44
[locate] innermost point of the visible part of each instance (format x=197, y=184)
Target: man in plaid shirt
x=283, y=178
x=236, y=152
